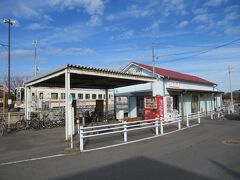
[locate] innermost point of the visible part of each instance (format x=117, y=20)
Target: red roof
x=175, y=75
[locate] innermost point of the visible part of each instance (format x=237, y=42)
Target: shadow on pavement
x=137, y=168
x=226, y=169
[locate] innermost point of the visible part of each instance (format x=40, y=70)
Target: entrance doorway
x=175, y=102
x=140, y=106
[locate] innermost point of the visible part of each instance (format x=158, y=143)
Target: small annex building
x=182, y=93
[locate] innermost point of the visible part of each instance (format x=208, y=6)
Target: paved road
x=195, y=153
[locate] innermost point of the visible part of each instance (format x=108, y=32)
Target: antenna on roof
x=153, y=59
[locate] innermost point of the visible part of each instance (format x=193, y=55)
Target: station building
x=181, y=94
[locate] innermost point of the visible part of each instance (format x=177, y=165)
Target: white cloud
x=47, y=18
x=232, y=8
x=202, y=18
x=91, y=7
x=226, y=21
x=37, y=26
x=72, y=33
x=23, y=10
x=200, y=11
x=205, y=22
x=174, y=7
x=214, y=3
x=232, y=16
x=124, y=35
x=94, y=8
x=21, y=52
x=182, y=24
x=70, y=51
x=154, y=26
x=232, y=30
x=132, y=11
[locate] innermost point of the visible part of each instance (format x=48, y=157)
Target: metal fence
x=125, y=127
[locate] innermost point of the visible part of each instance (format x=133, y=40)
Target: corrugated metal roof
x=175, y=75
x=88, y=77
x=106, y=70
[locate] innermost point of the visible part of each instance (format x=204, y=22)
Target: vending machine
x=153, y=107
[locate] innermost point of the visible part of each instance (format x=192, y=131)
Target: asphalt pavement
x=208, y=151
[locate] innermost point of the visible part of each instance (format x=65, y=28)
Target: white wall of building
x=159, y=87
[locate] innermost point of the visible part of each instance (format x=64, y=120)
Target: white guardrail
x=125, y=127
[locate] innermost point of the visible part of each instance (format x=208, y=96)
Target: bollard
x=9, y=119
x=83, y=121
x=187, y=120
x=199, y=117
x=125, y=131
x=71, y=141
x=212, y=115
x=81, y=145
x=179, y=123
x=156, y=126
x=161, y=126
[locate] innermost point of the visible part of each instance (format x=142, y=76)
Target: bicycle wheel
x=62, y=122
x=1, y=130
x=48, y=123
x=20, y=125
x=35, y=124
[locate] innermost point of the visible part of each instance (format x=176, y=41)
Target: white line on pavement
x=32, y=159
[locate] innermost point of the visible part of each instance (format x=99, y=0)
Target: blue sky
x=110, y=34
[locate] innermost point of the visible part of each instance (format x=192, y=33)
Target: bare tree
x=16, y=81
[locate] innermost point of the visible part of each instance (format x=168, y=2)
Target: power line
x=201, y=51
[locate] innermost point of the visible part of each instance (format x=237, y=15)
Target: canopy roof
x=88, y=77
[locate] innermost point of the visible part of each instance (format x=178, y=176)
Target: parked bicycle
x=219, y=115
x=37, y=121
x=27, y=124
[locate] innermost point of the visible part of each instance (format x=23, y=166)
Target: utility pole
x=35, y=57
x=153, y=60
x=10, y=23
x=230, y=85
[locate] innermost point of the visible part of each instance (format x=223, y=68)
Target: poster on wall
x=169, y=104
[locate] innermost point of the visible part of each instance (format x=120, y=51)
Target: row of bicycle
x=40, y=121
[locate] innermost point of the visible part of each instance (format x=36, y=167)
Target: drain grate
x=231, y=142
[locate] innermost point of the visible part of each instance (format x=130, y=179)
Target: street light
x=35, y=42
x=9, y=22
x=5, y=46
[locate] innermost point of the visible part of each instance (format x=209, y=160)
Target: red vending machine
x=153, y=107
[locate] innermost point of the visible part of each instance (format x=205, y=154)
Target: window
x=54, y=95
x=80, y=96
x=104, y=96
x=62, y=95
x=87, y=96
x=94, y=96
x=100, y=96
x=73, y=96
x=41, y=95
